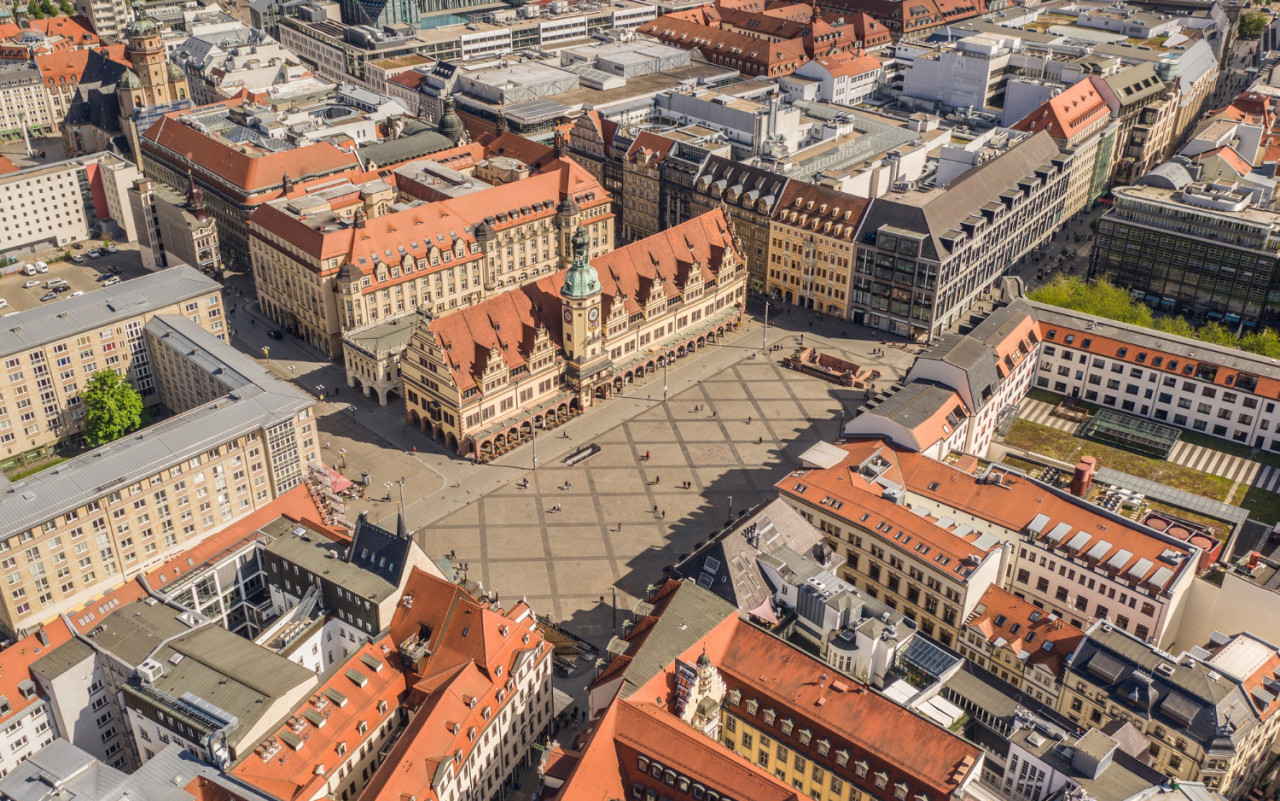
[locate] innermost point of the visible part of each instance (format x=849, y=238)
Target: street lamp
x=730, y=505
x=764, y=337
x=665, y=362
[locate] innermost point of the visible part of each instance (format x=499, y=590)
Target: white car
x=4, y=304
x=75, y=294
x=30, y=284
x=77, y=258
x=112, y=281
x=112, y=249
x=93, y=254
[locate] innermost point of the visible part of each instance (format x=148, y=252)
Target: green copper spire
x=581, y=280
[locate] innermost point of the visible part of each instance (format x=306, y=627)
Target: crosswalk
x=1268, y=479
x=1208, y=460
x=1041, y=413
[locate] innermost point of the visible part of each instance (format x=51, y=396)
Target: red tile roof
x=849, y=64
x=16, y=661
x=253, y=176
x=1233, y=159
x=61, y=69
x=1068, y=115
x=504, y=326
x=820, y=209
x=862, y=724
x=462, y=685
x=7, y=166
x=300, y=774
x=1002, y=616
x=1012, y=504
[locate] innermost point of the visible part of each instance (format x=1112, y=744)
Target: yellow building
x=811, y=247
x=483, y=378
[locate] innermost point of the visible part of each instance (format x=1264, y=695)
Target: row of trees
x=39, y=9
x=1104, y=299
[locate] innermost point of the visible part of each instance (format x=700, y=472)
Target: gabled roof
x=1008, y=622
x=1068, y=115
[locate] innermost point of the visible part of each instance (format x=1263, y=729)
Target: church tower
x=580, y=300
x=149, y=82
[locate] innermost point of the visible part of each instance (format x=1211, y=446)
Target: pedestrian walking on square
x=748, y=419
x=664, y=514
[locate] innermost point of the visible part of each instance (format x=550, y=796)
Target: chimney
x=1083, y=476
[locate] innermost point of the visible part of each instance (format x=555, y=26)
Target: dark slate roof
x=975, y=358
x=688, y=617
x=751, y=184
x=95, y=99
x=394, y=151
x=727, y=564
x=380, y=551
x=1195, y=700
x=913, y=404
x=965, y=196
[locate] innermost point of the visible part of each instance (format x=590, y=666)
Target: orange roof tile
x=1233, y=159
x=62, y=68
x=302, y=773
x=820, y=209
x=1069, y=114
x=849, y=64
x=1002, y=616
x=7, y=166
x=16, y=661
x=254, y=177
x=471, y=651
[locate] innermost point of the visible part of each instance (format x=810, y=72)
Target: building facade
x=174, y=229
x=595, y=328
x=812, y=242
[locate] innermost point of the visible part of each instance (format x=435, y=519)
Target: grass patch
x=33, y=469
x=1045, y=396
x=1030, y=468
x=1261, y=505
x=1066, y=448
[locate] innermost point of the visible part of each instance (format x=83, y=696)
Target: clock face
x=593, y=315
x=568, y=316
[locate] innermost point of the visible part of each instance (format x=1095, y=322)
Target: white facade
x=31, y=730
x=842, y=89
x=1158, y=390
x=44, y=207
x=478, y=44
x=966, y=75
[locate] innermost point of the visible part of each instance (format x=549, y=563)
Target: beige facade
x=41, y=383
x=811, y=247
x=351, y=261
x=95, y=520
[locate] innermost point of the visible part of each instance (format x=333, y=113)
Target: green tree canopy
x=1104, y=299
x=1252, y=23
x=112, y=408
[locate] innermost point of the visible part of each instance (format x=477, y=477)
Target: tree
x=33, y=10
x=1176, y=325
x=48, y=8
x=112, y=408
x=1252, y=23
x=66, y=8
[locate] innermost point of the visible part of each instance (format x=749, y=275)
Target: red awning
x=340, y=482
x=765, y=612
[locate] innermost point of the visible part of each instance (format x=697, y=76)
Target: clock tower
x=580, y=302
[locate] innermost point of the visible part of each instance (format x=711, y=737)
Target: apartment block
x=50, y=353
x=174, y=228
x=812, y=246
x=54, y=205
x=1208, y=713
x=930, y=539
x=241, y=437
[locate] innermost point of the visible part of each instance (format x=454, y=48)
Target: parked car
x=77, y=258
x=114, y=270
x=93, y=254
x=48, y=296
x=60, y=288
x=30, y=284
x=55, y=282
x=112, y=249
x=75, y=294
x=4, y=304
x=28, y=269
x=41, y=267
x=112, y=281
